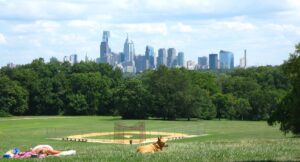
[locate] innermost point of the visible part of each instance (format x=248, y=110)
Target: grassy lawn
x=227, y=140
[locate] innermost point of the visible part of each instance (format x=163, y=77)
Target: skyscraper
x=105, y=36
x=202, y=62
x=171, y=60
x=104, y=51
x=213, y=61
x=243, y=60
x=190, y=65
x=73, y=59
x=122, y=56
x=104, y=48
x=226, y=60
x=180, y=59
x=162, y=57
x=115, y=58
x=150, y=57
x=53, y=59
x=128, y=50
x=140, y=63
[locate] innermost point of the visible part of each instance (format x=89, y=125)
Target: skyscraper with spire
x=129, y=54
x=129, y=51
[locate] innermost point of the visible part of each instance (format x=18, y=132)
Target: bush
x=4, y=114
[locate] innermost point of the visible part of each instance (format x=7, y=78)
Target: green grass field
x=227, y=140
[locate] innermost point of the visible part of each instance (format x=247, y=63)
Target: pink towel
x=28, y=154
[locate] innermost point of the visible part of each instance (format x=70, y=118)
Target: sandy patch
x=167, y=135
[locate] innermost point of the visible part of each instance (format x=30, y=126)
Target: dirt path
x=167, y=135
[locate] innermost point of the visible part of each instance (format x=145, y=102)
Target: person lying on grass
x=45, y=149
x=42, y=151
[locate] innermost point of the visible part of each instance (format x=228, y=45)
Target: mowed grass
x=226, y=140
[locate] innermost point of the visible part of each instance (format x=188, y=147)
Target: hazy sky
x=268, y=29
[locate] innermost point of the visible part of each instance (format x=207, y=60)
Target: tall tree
x=13, y=97
x=132, y=99
x=288, y=113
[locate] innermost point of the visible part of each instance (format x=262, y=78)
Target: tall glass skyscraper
x=128, y=50
x=105, y=36
x=213, y=61
x=104, y=48
x=162, y=57
x=171, y=60
x=180, y=59
x=150, y=57
x=226, y=60
x=73, y=59
x=202, y=62
x=140, y=63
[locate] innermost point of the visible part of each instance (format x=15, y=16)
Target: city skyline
x=32, y=29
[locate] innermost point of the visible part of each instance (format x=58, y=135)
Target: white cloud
x=2, y=39
x=34, y=10
x=37, y=26
x=152, y=28
x=201, y=6
x=181, y=27
x=73, y=38
x=195, y=27
x=234, y=25
x=283, y=28
x=82, y=24
x=295, y=4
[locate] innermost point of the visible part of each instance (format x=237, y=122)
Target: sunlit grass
x=227, y=140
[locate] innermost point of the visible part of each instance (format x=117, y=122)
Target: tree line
x=88, y=88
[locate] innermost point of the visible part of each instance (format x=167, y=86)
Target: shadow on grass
x=114, y=118
x=296, y=136
x=178, y=119
x=265, y=161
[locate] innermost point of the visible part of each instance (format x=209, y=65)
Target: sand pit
x=127, y=137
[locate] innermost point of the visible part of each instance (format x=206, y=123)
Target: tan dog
x=154, y=147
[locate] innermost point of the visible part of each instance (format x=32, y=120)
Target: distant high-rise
x=65, y=59
x=180, y=59
x=226, y=60
x=53, y=59
x=105, y=36
x=104, y=48
x=11, y=65
x=245, y=57
x=171, y=60
x=140, y=63
x=162, y=57
x=128, y=50
x=243, y=60
x=115, y=58
x=213, y=61
x=122, y=56
x=202, y=62
x=73, y=59
x=129, y=67
x=190, y=65
x=150, y=57
x=104, y=51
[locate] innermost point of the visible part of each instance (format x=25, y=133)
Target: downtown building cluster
x=223, y=60
x=129, y=62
